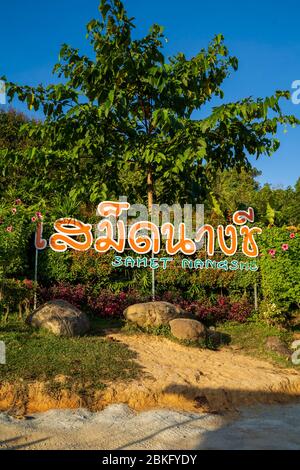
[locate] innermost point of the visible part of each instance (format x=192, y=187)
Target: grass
x=251, y=337
x=87, y=362
x=90, y=362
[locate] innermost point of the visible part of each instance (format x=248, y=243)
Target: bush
x=94, y=269
x=111, y=304
x=16, y=229
x=16, y=295
x=76, y=295
x=280, y=270
x=87, y=268
x=240, y=311
x=272, y=314
x=104, y=304
x=220, y=311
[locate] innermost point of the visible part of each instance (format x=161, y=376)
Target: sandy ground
x=190, y=379
x=186, y=398
x=175, y=377
x=119, y=427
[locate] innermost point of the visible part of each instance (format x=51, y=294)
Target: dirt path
x=191, y=379
x=176, y=377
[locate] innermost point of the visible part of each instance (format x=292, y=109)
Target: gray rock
x=275, y=344
x=187, y=329
x=152, y=313
x=60, y=318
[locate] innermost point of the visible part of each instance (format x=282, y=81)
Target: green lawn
x=90, y=361
x=250, y=339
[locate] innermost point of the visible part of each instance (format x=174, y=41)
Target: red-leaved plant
x=109, y=304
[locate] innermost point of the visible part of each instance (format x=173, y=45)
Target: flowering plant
x=271, y=313
x=14, y=235
x=280, y=271
x=16, y=228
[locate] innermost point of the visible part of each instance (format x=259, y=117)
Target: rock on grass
x=60, y=318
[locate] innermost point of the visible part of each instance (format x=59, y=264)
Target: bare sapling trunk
x=150, y=190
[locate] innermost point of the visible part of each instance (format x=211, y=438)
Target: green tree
x=122, y=120
x=278, y=206
x=15, y=177
x=11, y=122
x=292, y=209
x=233, y=190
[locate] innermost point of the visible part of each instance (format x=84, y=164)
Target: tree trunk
x=150, y=193
x=150, y=189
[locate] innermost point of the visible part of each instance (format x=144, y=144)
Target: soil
x=186, y=398
x=175, y=377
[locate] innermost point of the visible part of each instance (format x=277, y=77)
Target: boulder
x=295, y=320
x=217, y=338
x=274, y=343
x=152, y=313
x=61, y=318
x=185, y=328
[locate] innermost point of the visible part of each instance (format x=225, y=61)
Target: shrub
x=211, y=312
x=88, y=268
x=76, y=295
x=240, y=311
x=16, y=296
x=94, y=269
x=272, y=314
x=280, y=270
x=103, y=304
x=15, y=232
x=111, y=304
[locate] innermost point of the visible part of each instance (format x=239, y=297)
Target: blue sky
x=264, y=35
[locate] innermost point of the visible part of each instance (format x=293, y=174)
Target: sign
x=144, y=237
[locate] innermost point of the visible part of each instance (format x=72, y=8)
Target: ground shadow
x=217, y=339
x=12, y=444
x=250, y=420
x=154, y=434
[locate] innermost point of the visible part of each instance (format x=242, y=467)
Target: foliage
x=108, y=304
x=126, y=110
x=250, y=338
x=219, y=311
x=11, y=122
x=280, y=270
x=76, y=267
x=15, y=296
x=103, y=303
x=16, y=228
x=96, y=271
x=271, y=313
x=233, y=190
